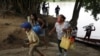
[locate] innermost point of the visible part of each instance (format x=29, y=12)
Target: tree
x=77, y=7
x=93, y=5
x=22, y=7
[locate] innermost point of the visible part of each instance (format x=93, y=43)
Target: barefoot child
x=32, y=37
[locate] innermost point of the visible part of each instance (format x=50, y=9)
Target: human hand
x=64, y=30
x=27, y=43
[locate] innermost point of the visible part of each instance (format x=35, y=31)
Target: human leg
x=65, y=52
x=85, y=35
x=43, y=38
x=60, y=49
x=40, y=53
x=89, y=36
x=31, y=50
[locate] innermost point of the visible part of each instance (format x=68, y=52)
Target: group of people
x=45, y=8
x=61, y=27
x=33, y=37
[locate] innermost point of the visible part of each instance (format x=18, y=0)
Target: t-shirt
x=32, y=37
x=60, y=27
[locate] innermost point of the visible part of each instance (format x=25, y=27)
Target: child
x=60, y=26
x=74, y=33
x=32, y=37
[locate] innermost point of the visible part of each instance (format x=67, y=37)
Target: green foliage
x=93, y=6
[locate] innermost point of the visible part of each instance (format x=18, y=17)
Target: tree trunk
x=76, y=11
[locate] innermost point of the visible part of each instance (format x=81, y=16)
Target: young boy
x=32, y=37
x=60, y=26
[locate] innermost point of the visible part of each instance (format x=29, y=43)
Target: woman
x=35, y=20
x=60, y=26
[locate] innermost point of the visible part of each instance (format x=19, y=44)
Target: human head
x=90, y=26
x=57, y=5
x=26, y=26
x=61, y=18
x=44, y=1
x=34, y=16
x=75, y=28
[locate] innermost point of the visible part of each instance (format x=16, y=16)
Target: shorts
x=43, y=33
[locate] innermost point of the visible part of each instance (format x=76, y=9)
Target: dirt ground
x=79, y=50
x=12, y=41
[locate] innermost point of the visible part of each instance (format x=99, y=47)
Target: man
x=57, y=9
x=88, y=31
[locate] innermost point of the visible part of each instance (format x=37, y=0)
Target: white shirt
x=60, y=27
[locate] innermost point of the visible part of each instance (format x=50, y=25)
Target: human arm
x=93, y=29
x=30, y=43
x=42, y=22
x=66, y=30
x=52, y=30
x=67, y=27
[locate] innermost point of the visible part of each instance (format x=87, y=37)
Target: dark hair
x=35, y=16
x=75, y=28
x=62, y=16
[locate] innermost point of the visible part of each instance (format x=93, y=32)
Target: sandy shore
x=79, y=50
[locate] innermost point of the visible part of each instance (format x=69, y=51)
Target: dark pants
x=57, y=13
x=88, y=34
x=60, y=49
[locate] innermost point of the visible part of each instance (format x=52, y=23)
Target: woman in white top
x=60, y=26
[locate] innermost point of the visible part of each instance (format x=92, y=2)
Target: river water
x=85, y=18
